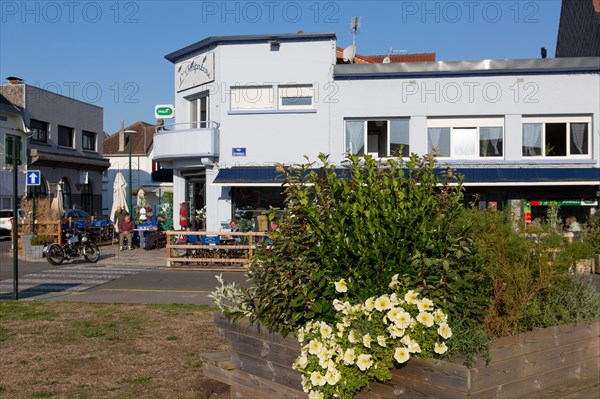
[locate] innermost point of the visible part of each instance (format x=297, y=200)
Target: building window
x=556, y=137
x=466, y=138
x=381, y=137
x=296, y=97
x=245, y=98
x=66, y=192
x=199, y=115
x=39, y=131
x=88, y=140
x=65, y=136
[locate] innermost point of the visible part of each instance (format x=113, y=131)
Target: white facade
x=509, y=125
x=11, y=123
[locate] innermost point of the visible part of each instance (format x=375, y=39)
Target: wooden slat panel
x=244, y=327
x=428, y=388
x=250, y=346
x=208, y=260
x=519, y=388
x=437, y=372
x=268, y=370
x=253, y=385
x=539, y=339
x=533, y=364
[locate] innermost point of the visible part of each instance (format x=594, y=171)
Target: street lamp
x=128, y=134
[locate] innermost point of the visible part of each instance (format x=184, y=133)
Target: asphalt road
x=136, y=276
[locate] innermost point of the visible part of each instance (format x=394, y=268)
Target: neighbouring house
x=522, y=132
x=579, y=29
x=146, y=174
x=12, y=131
x=64, y=144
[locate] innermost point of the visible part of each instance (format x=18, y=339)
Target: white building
x=11, y=126
x=517, y=129
x=146, y=174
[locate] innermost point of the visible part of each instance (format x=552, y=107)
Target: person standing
x=126, y=228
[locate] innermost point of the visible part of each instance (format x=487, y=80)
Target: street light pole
x=128, y=134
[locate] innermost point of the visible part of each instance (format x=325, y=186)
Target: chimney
x=13, y=80
x=122, y=137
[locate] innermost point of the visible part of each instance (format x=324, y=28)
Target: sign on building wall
x=195, y=72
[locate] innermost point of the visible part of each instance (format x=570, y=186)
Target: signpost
x=34, y=177
x=164, y=111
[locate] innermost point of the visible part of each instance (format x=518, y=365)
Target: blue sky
x=111, y=53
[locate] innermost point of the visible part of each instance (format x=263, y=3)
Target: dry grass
x=74, y=350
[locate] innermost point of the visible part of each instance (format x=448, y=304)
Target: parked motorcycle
x=76, y=245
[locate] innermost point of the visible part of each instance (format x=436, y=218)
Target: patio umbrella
x=141, y=202
x=119, y=194
x=57, y=205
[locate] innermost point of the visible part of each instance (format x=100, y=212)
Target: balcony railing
x=186, y=140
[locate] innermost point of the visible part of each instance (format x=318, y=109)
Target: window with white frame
x=295, y=97
x=466, y=138
x=65, y=136
x=38, y=130
x=88, y=140
x=377, y=137
x=199, y=114
x=557, y=137
x=246, y=98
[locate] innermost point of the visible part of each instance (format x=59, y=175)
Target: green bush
x=371, y=222
x=531, y=271
x=593, y=234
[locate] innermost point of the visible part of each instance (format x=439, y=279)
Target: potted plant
x=380, y=263
x=593, y=238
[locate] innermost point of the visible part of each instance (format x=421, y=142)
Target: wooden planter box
x=260, y=366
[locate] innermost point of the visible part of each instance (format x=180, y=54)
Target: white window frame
x=467, y=123
x=365, y=121
x=543, y=120
x=196, y=109
x=295, y=91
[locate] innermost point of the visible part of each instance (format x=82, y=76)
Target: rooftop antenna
x=350, y=51
x=391, y=51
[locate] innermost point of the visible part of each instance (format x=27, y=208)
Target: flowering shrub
x=362, y=344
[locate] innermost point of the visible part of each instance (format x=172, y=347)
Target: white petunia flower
x=315, y=347
x=301, y=362
x=332, y=378
x=383, y=303
x=341, y=286
x=366, y=340
x=411, y=297
x=317, y=379
x=425, y=305
x=349, y=357
x=444, y=331
x=425, y=318
x=370, y=304
x=440, y=348
x=395, y=331
x=315, y=395
x=325, y=330
x=338, y=305
x=440, y=317
x=381, y=341
x=352, y=338
x=364, y=362
x=394, y=284
x=403, y=320
x=401, y=355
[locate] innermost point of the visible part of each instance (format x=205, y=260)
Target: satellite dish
x=349, y=53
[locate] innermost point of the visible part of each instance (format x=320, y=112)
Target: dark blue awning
x=270, y=176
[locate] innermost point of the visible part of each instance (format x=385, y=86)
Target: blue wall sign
x=238, y=152
x=34, y=177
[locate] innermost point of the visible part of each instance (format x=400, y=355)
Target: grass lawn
x=80, y=350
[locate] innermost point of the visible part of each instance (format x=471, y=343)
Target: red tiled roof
x=378, y=59
x=140, y=144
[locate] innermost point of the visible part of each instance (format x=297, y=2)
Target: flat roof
x=238, y=39
x=467, y=68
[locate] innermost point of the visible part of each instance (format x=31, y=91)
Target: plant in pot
x=378, y=262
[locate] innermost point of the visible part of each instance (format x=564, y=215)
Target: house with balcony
x=146, y=173
x=64, y=143
x=521, y=131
